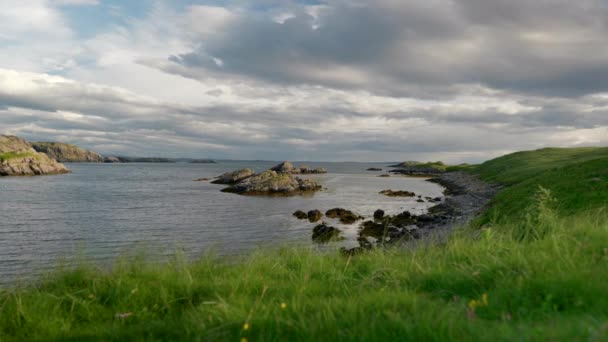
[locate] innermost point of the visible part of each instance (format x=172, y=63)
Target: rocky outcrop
x=314, y=215
x=234, y=176
x=345, y=216
x=323, y=233
x=111, y=160
x=284, y=167
x=287, y=167
x=400, y=193
x=374, y=169
x=18, y=158
x=66, y=153
x=273, y=183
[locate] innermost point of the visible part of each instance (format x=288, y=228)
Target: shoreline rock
x=273, y=183
x=345, y=216
x=466, y=197
x=234, y=176
x=399, y=193
x=288, y=168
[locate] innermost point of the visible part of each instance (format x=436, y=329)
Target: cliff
x=66, y=153
x=18, y=158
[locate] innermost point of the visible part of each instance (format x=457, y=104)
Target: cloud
x=76, y=2
x=415, y=48
x=385, y=80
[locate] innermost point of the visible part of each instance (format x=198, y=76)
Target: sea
x=101, y=212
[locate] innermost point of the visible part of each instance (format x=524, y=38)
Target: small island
x=278, y=180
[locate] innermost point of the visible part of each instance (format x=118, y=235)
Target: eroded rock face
x=18, y=158
x=66, y=153
x=234, y=176
x=273, y=183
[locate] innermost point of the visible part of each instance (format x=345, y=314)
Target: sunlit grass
x=536, y=269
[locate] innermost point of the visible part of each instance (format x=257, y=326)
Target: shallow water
x=105, y=210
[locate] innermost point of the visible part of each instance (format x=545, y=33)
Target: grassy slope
x=544, y=287
x=577, y=177
x=14, y=155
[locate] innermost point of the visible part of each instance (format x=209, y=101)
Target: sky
x=331, y=80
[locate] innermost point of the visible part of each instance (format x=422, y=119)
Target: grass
x=542, y=276
x=14, y=155
x=577, y=177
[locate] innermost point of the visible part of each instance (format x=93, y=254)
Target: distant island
x=121, y=159
x=202, y=161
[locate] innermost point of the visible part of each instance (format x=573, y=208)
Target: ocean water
x=102, y=211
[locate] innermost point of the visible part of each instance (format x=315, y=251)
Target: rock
x=111, y=160
x=284, y=167
x=65, y=153
x=345, y=216
x=392, y=193
x=314, y=215
x=201, y=180
x=377, y=230
x=374, y=169
x=378, y=214
x=287, y=167
x=300, y=215
x=420, y=200
x=323, y=233
x=234, y=176
x=386, y=175
x=18, y=158
x=273, y=183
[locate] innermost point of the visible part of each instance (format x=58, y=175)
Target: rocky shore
x=466, y=197
x=18, y=158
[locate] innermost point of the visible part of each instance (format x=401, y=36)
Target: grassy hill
x=537, y=270
x=577, y=177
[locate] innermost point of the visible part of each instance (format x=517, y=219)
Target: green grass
x=14, y=155
x=544, y=276
x=577, y=177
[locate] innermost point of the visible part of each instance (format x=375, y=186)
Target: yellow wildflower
x=244, y=339
x=246, y=326
x=484, y=298
x=283, y=306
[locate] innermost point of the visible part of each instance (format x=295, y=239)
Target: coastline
x=466, y=197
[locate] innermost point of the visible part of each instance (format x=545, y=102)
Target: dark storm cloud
x=556, y=48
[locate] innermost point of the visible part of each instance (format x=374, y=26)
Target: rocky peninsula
x=18, y=158
x=66, y=153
